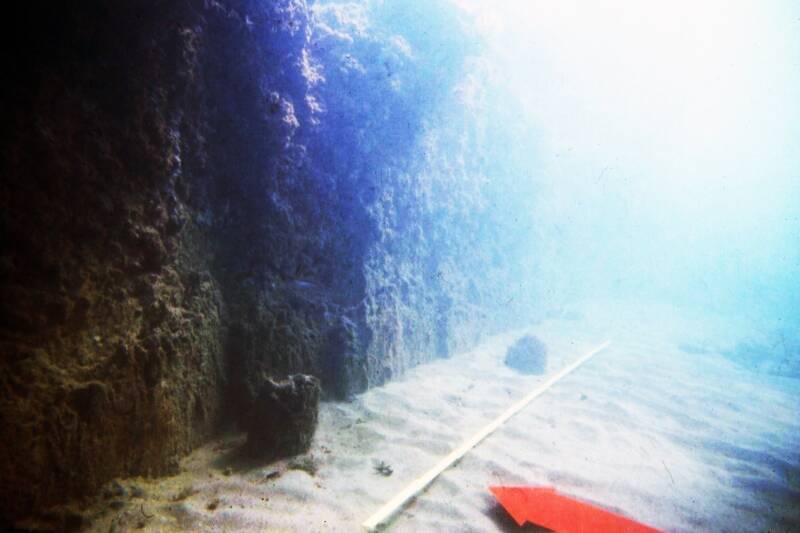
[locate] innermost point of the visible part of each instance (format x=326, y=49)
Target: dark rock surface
x=196, y=194
x=284, y=418
x=528, y=355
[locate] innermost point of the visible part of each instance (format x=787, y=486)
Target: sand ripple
x=685, y=442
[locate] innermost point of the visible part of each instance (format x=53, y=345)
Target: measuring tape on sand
x=418, y=485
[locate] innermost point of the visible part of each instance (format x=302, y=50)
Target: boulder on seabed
x=284, y=418
x=528, y=355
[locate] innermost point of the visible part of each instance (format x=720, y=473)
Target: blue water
x=627, y=152
x=620, y=150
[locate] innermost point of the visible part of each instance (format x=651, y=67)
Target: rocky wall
x=197, y=195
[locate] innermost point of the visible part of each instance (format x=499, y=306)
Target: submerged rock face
x=196, y=194
x=284, y=418
x=528, y=355
x=345, y=367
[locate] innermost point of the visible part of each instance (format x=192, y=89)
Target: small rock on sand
x=284, y=418
x=528, y=355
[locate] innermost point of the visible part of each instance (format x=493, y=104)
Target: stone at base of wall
x=284, y=418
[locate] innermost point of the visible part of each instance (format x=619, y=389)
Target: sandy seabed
x=682, y=442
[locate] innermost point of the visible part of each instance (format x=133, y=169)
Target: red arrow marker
x=544, y=507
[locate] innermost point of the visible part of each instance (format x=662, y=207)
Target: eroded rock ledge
x=198, y=193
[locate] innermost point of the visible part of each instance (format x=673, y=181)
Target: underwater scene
x=400, y=265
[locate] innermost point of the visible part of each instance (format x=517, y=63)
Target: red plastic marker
x=545, y=507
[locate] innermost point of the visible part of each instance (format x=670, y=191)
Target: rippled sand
x=683, y=442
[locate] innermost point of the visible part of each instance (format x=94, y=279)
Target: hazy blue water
x=653, y=149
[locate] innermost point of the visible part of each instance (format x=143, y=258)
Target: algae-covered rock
x=528, y=355
x=284, y=417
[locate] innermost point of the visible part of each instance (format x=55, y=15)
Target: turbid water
x=317, y=226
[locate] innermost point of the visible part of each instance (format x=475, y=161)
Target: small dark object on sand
x=528, y=355
x=275, y=474
x=383, y=469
